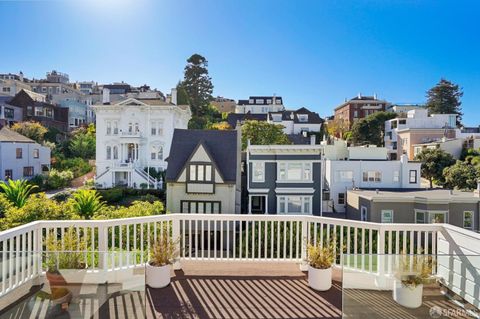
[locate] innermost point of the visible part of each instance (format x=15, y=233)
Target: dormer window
x=251, y=101
x=303, y=117
x=277, y=117
x=269, y=101
x=259, y=101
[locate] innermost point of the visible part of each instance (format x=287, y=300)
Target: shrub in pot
x=411, y=273
x=65, y=262
x=163, y=254
x=320, y=261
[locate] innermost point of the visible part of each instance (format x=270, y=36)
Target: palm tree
x=17, y=191
x=87, y=202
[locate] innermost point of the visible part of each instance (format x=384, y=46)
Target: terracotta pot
x=157, y=277
x=56, y=279
x=320, y=279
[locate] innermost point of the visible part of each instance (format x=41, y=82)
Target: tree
x=182, y=95
x=434, y=161
x=86, y=202
x=221, y=126
x=211, y=116
x=17, y=191
x=83, y=145
x=444, y=98
x=462, y=175
x=337, y=128
x=371, y=129
x=197, y=84
x=33, y=130
x=263, y=133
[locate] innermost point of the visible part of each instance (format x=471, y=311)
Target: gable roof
x=220, y=145
x=7, y=135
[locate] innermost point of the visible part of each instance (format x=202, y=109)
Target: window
x=468, y=220
x=19, y=152
x=341, y=199
x=137, y=128
x=49, y=112
x=9, y=113
x=396, y=176
x=109, y=127
x=200, y=172
x=160, y=153
x=28, y=171
x=200, y=207
x=8, y=174
x=402, y=122
x=363, y=213
x=36, y=153
x=130, y=127
x=413, y=176
x=303, y=118
x=295, y=204
x=372, y=176
x=437, y=217
x=154, y=130
x=115, y=127
x=355, y=114
x=109, y=152
x=258, y=172
x=420, y=217
x=295, y=172
x=345, y=176
x=153, y=155
x=387, y=216
x=394, y=124
x=115, y=152
x=259, y=101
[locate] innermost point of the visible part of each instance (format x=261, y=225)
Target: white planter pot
x=407, y=296
x=320, y=279
x=157, y=277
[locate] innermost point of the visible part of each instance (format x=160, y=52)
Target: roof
x=5, y=99
x=7, y=135
x=221, y=145
x=313, y=118
x=233, y=118
x=360, y=99
x=264, y=98
x=438, y=194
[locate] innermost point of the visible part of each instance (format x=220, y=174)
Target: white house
x=134, y=135
x=349, y=168
x=297, y=121
x=21, y=157
x=260, y=105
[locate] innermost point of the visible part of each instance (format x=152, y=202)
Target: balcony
x=133, y=134
x=240, y=266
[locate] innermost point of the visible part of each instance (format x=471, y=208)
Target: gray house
x=284, y=179
x=203, y=173
x=415, y=206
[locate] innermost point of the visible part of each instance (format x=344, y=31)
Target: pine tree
x=444, y=98
x=197, y=84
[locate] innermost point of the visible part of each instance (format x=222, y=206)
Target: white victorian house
x=134, y=135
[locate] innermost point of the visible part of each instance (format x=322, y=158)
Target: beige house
x=410, y=137
x=203, y=174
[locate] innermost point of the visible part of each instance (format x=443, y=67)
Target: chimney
x=359, y=95
x=106, y=96
x=312, y=139
x=374, y=96
x=21, y=76
x=173, y=98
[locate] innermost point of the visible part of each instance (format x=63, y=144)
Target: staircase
x=148, y=179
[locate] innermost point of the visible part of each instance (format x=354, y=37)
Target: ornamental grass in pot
x=411, y=273
x=320, y=262
x=163, y=254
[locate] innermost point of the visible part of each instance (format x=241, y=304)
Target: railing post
x=39, y=247
x=176, y=239
x=381, y=280
x=102, y=246
x=304, y=241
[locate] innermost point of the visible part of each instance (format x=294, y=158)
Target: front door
x=258, y=204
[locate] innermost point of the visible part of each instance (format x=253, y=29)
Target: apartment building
x=357, y=108
x=401, y=134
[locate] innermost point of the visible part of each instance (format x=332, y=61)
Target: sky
x=312, y=53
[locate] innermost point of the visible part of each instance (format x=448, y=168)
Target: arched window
x=160, y=153
x=115, y=152
x=109, y=152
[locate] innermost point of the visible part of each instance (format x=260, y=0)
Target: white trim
x=294, y=190
x=287, y=163
x=363, y=208
x=262, y=180
x=250, y=202
x=258, y=190
x=384, y=211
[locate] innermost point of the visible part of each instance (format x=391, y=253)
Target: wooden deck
x=226, y=290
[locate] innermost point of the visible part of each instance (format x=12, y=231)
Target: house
x=401, y=134
x=452, y=146
x=284, y=179
x=21, y=157
x=415, y=206
x=234, y=118
x=357, y=108
x=296, y=122
x=260, y=105
x=349, y=168
x=77, y=112
x=203, y=174
x=9, y=114
x=224, y=105
x=403, y=108
x=134, y=135
x=11, y=84
x=47, y=114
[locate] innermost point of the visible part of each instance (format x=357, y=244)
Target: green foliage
x=182, y=95
x=77, y=165
x=321, y=257
x=112, y=195
x=64, y=253
x=5, y=204
x=263, y=133
x=58, y=179
x=197, y=84
x=62, y=196
x=52, y=134
x=83, y=145
x=37, y=207
x=462, y=175
x=444, y=98
x=371, y=129
x=86, y=202
x=434, y=161
x=137, y=209
x=17, y=191
x=206, y=120
x=414, y=270
x=33, y=130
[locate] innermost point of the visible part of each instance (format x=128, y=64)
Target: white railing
x=217, y=237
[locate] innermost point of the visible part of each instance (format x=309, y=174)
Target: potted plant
x=320, y=261
x=410, y=275
x=163, y=254
x=65, y=263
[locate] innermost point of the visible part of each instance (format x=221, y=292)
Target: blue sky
x=313, y=53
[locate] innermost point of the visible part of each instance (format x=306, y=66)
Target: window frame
x=205, y=178
x=18, y=153
x=283, y=201
x=26, y=171
x=372, y=176
x=343, y=198
x=285, y=166
x=36, y=153
x=410, y=176
x=258, y=178
x=471, y=217
x=383, y=219
x=215, y=207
